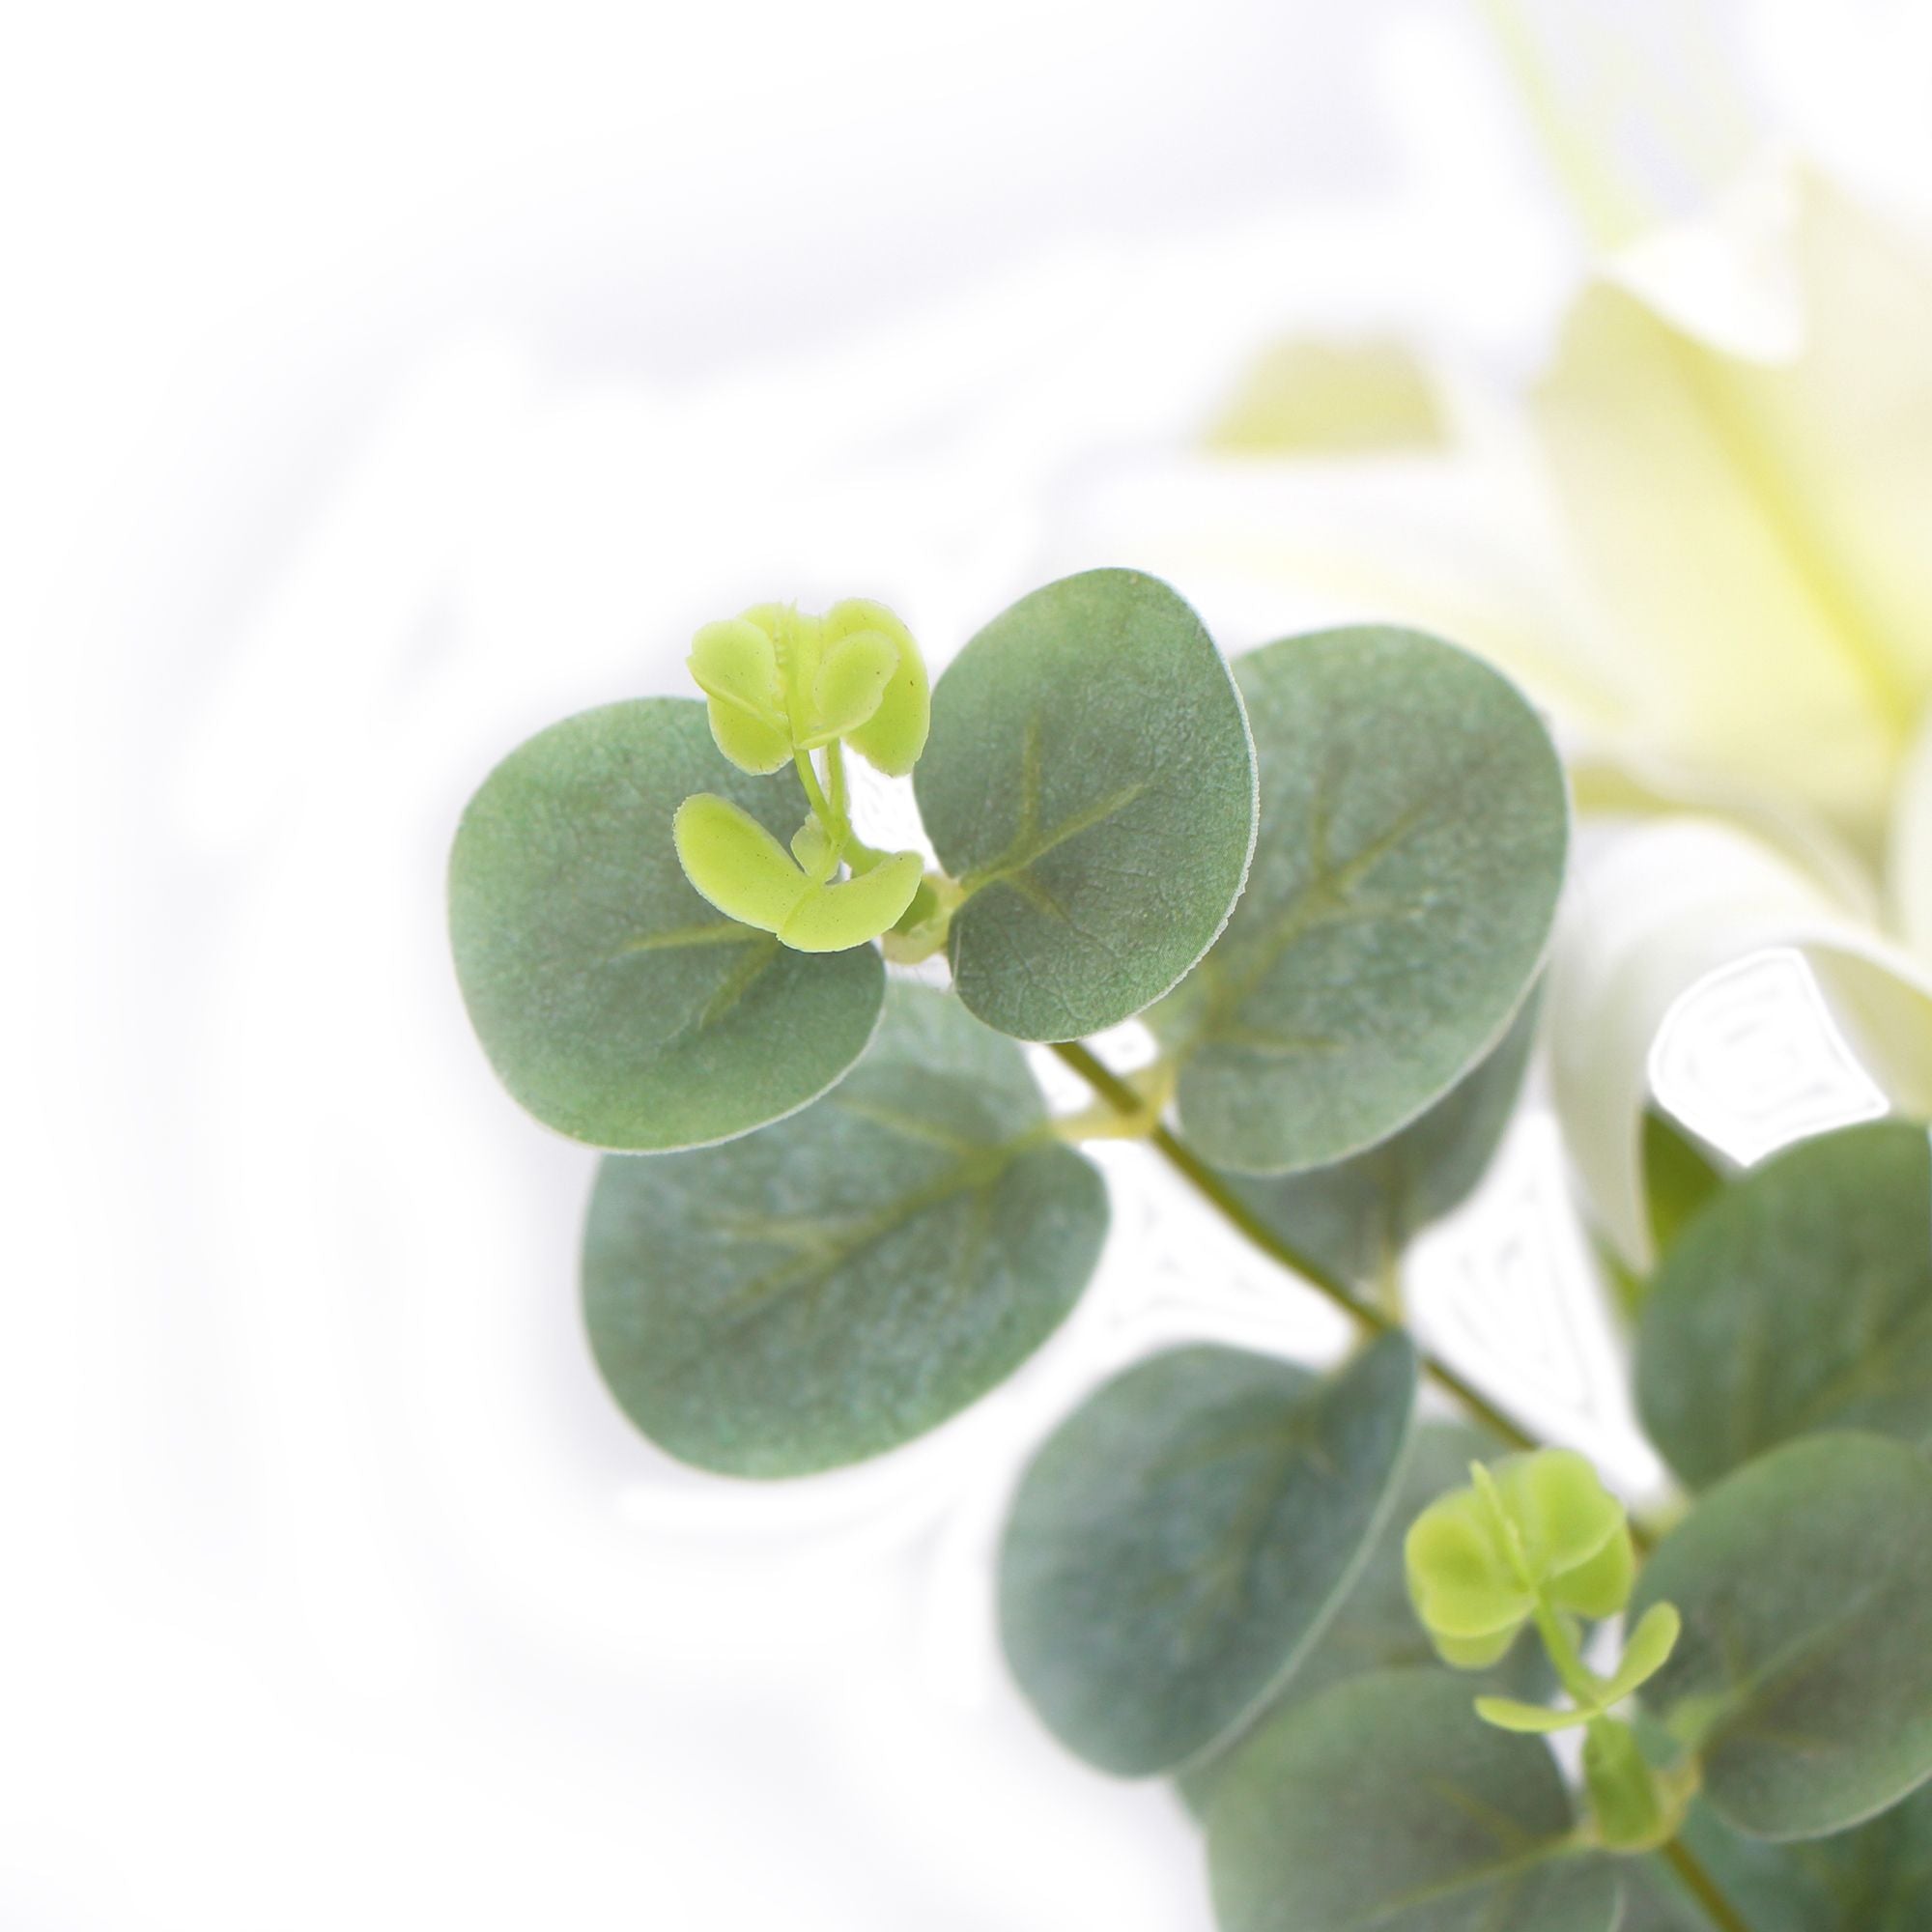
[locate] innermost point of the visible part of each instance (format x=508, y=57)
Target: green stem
x=1209, y=1186
x=815, y=796
x=1703, y=1886
x=831, y=811
x=1574, y=1676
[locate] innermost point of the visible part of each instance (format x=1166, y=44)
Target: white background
x=378, y=382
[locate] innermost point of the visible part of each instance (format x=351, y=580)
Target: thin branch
x=1211, y=1186
x=1703, y=1888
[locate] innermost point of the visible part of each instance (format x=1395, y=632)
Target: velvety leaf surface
x=1387, y=1803
x=1803, y=1674
x=1182, y=1536
x=845, y=1280
x=1357, y=1217
x=1413, y=828
x=1801, y=1301
x=616, y=1004
x=1089, y=782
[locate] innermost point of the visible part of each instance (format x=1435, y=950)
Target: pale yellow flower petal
x=1756, y=532
x=1305, y=397
x=1448, y=542
x=1911, y=854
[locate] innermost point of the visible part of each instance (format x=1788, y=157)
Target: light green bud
x=779, y=681
x=747, y=875
x=1539, y=1527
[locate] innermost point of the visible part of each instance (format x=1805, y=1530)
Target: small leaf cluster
x=835, y=1210
x=779, y=686
x=1537, y=1534
x=1539, y=1540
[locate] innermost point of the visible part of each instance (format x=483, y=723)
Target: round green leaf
x=1799, y=1301
x=1181, y=1539
x=615, y=1004
x=1387, y=1803
x=1357, y=1217
x=1090, y=783
x=1414, y=826
x=1804, y=1673
x=833, y=1286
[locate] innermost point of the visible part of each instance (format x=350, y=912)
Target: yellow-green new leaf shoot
x=1598, y=1586
x=851, y=681
x=736, y=665
x=1460, y=1578
x=893, y=734
x=850, y=912
x=1533, y=1527
x=745, y=873
x=1646, y=1652
x=1561, y=1511
x=1476, y=1653
x=735, y=863
x=1507, y=1714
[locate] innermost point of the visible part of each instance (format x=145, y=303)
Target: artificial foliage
x=1408, y=1667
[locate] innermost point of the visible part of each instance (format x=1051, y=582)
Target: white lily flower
x=1699, y=538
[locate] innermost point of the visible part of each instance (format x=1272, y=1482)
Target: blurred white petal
x=1422, y=538
x=1656, y=913
x=1756, y=532
x=1911, y=846
x=1726, y=273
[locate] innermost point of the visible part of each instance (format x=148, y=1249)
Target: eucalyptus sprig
x=836, y=1211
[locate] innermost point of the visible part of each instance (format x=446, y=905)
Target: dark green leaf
x=1089, y=782
x=1357, y=1217
x=1387, y=1803
x=1800, y=1300
x=1803, y=1674
x=615, y=1004
x=832, y=1287
x=1413, y=830
x=1183, y=1536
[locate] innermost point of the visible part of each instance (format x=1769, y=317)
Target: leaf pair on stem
x=780, y=685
